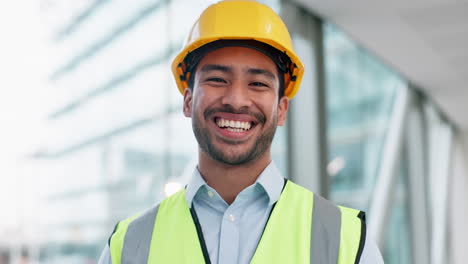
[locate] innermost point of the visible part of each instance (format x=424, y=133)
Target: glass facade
x=360, y=92
x=360, y=95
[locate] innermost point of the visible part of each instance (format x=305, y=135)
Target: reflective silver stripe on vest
x=326, y=232
x=137, y=240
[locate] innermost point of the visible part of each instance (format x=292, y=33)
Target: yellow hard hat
x=240, y=20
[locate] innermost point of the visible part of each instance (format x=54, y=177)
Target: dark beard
x=262, y=144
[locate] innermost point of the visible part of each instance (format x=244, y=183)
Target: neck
x=230, y=180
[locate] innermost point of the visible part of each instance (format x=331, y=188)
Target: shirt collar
x=196, y=182
x=270, y=180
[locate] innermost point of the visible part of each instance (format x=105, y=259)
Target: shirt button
x=210, y=194
x=232, y=218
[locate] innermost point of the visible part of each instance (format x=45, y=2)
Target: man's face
x=234, y=104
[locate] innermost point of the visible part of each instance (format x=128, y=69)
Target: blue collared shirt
x=232, y=232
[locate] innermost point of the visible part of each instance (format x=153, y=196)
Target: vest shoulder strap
x=353, y=235
x=136, y=239
x=326, y=226
x=338, y=233
x=130, y=242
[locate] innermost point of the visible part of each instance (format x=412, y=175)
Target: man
x=237, y=73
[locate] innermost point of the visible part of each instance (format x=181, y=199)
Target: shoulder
x=138, y=217
x=325, y=212
x=338, y=225
x=105, y=256
x=319, y=200
x=371, y=253
x=149, y=214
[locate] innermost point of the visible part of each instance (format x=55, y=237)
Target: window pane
x=360, y=97
x=360, y=94
x=397, y=248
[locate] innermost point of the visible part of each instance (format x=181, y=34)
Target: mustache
x=229, y=109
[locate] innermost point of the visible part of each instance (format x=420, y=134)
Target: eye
x=258, y=84
x=216, y=79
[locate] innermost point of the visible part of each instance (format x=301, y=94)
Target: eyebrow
x=216, y=67
x=266, y=73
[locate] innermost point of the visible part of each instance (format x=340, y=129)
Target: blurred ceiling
x=426, y=41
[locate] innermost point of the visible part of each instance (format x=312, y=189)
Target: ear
x=283, y=105
x=187, y=106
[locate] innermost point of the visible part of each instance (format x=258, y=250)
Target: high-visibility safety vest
x=302, y=228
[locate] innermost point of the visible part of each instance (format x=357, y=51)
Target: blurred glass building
x=117, y=142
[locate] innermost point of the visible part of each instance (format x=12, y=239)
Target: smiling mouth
x=234, y=125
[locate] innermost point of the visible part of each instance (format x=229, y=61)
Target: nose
x=237, y=95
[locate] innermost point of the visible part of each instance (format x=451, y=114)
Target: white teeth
x=234, y=126
x=235, y=129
